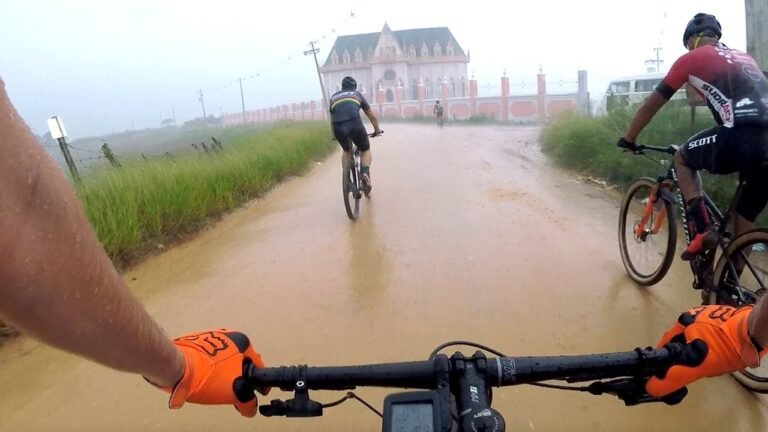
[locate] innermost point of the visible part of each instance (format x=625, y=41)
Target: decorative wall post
x=541, y=92
x=380, y=100
x=399, y=98
x=421, y=93
x=444, y=95
x=583, y=95
x=473, y=97
x=505, y=97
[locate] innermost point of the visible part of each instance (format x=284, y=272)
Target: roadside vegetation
x=146, y=204
x=588, y=145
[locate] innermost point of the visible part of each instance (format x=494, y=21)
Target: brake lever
x=632, y=391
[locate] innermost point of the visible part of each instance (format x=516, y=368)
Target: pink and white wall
x=530, y=108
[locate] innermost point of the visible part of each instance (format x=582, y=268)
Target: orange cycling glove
x=215, y=361
x=716, y=342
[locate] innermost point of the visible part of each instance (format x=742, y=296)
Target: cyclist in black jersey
x=736, y=92
x=348, y=126
x=438, y=111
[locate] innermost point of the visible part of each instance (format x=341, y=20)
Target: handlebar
x=500, y=371
x=670, y=149
x=469, y=380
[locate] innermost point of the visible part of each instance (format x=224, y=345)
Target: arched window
x=463, y=87
x=334, y=58
x=424, y=50
x=415, y=89
x=390, y=75
x=452, y=87
x=449, y=49
x=346, y=56
x=436, y=49
x=358, y=56
x=427, y=89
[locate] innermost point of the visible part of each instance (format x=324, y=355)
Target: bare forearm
x=374, y=120
x=758, y=322
x=644, y=114
x=56, y=281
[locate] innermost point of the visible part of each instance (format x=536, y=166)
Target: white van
x=629, y=90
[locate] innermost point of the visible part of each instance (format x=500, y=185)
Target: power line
x=282, y=62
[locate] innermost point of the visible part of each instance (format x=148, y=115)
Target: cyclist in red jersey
x=719, y=339
x=736, y=92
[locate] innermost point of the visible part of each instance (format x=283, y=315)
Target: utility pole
x=757, y=31
x=242, y=98
x=314, y=52
x=658, y=61
x=202, y=102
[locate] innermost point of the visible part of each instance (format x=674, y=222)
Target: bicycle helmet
x=348, y=83
x=700, y=23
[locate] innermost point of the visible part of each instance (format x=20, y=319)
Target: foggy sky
x=106, y=65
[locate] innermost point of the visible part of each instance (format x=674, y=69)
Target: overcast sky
x=106, y=65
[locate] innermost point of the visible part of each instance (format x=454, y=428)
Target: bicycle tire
x=351, y=203
x=750, y=380
x=669, y=254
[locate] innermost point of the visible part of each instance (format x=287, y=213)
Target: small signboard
x=56, y=127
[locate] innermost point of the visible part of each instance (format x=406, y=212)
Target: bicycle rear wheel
x=743, y=281
x=647, y=233
x=349, y=189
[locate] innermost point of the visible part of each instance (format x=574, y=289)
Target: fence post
x=110, y=156
x=68, y=158
x=217, y=143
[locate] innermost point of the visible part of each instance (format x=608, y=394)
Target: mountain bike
x=352, y=182
x=648, y=239
x=456, y=391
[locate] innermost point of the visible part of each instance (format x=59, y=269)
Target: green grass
x=588, y=145
x=148, y=202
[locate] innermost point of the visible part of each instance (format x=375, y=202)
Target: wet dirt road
x=470, y=234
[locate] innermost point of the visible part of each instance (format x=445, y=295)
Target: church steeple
x=386, y=28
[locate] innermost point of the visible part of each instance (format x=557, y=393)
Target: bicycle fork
x=640, y=230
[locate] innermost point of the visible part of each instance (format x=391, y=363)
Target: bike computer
x=412, y=412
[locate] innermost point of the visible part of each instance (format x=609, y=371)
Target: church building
x=396, y=62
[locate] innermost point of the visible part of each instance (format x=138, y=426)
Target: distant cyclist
x=438, y=111
x=736, y=92
x=348, y=126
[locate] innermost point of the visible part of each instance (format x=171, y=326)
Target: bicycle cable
x=500, y=354
x=352, y=395
x=465, y=343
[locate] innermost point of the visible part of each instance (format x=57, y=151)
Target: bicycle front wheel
x=741, y=280
x=351, y=194
x=647, y=233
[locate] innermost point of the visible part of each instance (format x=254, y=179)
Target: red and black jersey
x=346, y=105
x=734, y=87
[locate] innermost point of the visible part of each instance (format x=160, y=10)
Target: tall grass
x=588, y=145
x=147, y=202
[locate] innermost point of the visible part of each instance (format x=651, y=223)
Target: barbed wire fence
x=87, y=160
